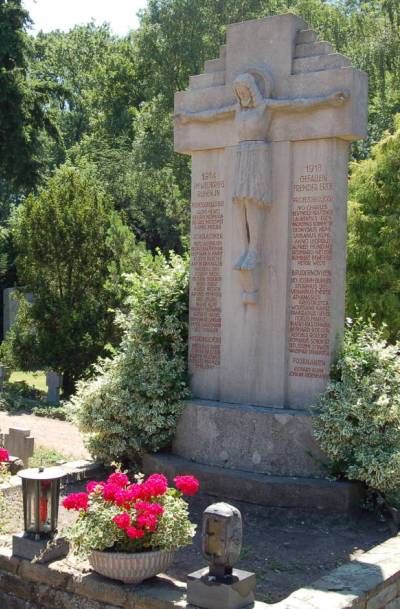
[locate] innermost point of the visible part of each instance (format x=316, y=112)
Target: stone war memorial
x=268, y=127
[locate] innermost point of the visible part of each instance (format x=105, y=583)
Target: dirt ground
x=286, y=548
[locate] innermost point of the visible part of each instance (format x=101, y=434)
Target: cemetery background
x=149, y=191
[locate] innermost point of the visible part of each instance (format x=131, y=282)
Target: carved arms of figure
x=337, y=98
x=205, y=116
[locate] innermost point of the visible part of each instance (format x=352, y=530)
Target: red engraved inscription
x=206, y=272
x=311, y=276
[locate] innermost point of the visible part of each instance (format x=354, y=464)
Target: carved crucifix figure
x=253, y=113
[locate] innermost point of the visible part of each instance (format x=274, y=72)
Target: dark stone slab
x=272, y=491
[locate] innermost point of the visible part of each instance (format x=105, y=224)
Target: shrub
x=358, y=422
x=132, y=403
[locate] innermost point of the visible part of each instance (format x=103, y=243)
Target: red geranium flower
x=92, y=485
x=147, y=521
x=151, y=508
x=110, y=490
x=154, y=486
x=134, y=533
x=76, y=501
x=188, y=485
x=122, y=521
x=4, y=456
x=119, y=479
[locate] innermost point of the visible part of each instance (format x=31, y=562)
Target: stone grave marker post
x=54, y=383
x=268, y=127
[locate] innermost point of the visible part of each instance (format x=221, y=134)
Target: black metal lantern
x=41, y=495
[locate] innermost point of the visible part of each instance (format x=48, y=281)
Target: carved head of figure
x=250, y=87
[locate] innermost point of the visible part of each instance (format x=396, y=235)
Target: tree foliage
x=373, y=276
x=63, y=240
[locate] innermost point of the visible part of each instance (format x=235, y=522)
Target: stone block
x=12, y=584
x=306, y=36
x=43, y=574
x=318, y=63
x=377, y=601
x=204, y=591
x=8, y=601
x=42, y=550
x=272, y=441
x=394, y=604
x=272, y=491
x=312, y=48
x=8, y=562
x=96, y=587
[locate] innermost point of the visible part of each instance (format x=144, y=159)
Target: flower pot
x=130, y=568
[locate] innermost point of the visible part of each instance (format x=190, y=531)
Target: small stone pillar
x=4, y=375
x=54, y=383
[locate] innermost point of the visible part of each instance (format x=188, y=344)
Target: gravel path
x=51, y=433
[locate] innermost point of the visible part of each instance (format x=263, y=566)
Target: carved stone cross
x=268, y=127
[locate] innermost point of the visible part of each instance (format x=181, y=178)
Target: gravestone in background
x=268, y=127
x=54, y=385
x=10, y=307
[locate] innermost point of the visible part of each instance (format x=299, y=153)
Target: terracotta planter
x=131, y=568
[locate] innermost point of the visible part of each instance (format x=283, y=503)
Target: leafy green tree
x=63, y=240
x=95, y=84
x=373, y=276
x=23, y=116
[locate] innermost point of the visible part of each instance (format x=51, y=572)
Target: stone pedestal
x=205, y=591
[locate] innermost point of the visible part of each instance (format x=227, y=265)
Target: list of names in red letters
x=206, y=271
x=311, y=277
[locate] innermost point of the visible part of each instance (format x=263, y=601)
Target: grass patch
x=36, y=380
x=46, y=457
x=26, y=392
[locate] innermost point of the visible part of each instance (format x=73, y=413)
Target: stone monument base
x=273, y=441
x=261, y=455
x=203, y=591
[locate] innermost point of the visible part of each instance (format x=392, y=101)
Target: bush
x=133, y=402
x=358, y=423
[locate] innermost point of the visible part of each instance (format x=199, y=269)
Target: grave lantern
x=41, y=494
